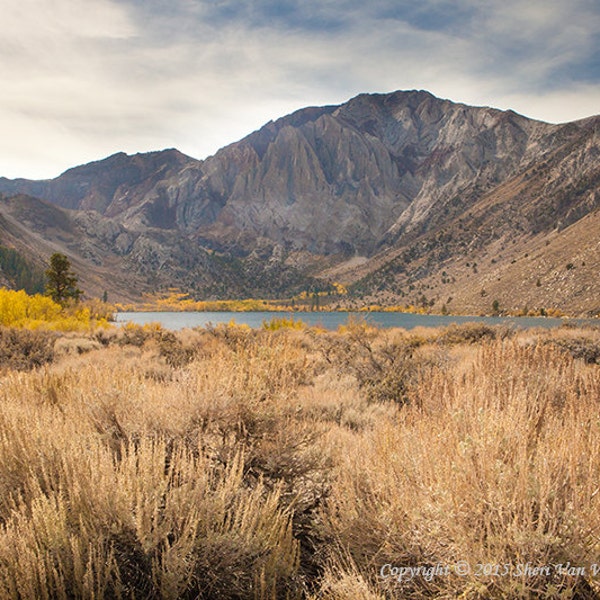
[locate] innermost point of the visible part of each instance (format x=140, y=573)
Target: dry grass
x=497, y=464
x=234, y=463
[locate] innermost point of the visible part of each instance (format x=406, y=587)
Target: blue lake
x=330, y=320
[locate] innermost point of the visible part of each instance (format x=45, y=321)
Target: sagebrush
x=295, y=463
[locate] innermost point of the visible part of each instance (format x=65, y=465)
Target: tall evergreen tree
x=61, y=282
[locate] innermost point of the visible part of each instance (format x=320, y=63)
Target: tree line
x=58, y=281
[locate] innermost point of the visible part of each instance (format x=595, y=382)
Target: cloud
x=546, y=42
x=84, y=79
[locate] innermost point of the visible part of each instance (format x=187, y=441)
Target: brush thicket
x=233, y=463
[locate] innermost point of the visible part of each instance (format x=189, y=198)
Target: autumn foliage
x=18, y=309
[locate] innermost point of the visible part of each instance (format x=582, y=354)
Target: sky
x=83, y=79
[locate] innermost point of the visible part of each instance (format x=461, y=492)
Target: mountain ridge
x=359, y=184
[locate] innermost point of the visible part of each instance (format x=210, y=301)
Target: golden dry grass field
x=295, y=463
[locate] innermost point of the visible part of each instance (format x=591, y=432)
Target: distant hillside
x=19, y=273
x=403, y=197
x=129, y=263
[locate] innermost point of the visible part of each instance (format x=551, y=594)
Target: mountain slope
x=385, y=193
x=125, y=263
x=102, y=185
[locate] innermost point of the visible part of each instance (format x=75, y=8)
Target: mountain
x=129, y=263
x=404, y=197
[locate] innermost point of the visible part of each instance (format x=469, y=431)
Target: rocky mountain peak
x=326, y=186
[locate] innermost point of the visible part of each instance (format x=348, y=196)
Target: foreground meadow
x=291, y=463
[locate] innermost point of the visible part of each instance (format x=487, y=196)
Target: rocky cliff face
x=353, y=178
x=325, y=180
x=371, y=178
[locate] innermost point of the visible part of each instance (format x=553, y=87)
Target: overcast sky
x=83, y=79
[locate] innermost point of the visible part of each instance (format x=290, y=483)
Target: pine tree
x=61, y=284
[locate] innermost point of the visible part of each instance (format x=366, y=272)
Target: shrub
x=132, y=334
x=174, y=351
x=187, y=530
x=385, y=369
x=74, y=346
x=580, y=347
x=471, y=333
x=277, y=323
x=21, y=349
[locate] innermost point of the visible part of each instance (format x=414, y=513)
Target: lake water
x=329, y=320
